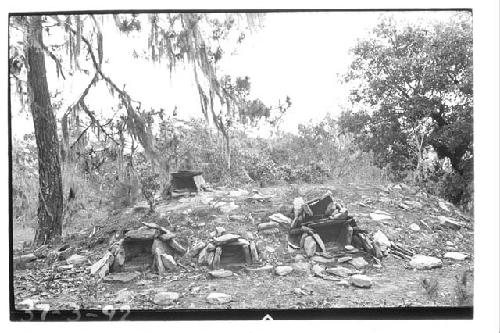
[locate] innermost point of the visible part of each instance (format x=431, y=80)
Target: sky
x=301, y=55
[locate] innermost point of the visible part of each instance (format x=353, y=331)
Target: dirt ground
x=395, y=284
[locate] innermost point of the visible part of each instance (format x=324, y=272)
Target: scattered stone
x=309, y=246
x=267, y=225
x=323, y=260
x=318, y=270
x=358, y=262
x=228, y=208
x=380, y=239
x=203, y=256
x=123, y=277
x=141, y=234
x=218, y=298
x=420, y=261
x=219, y=231
x=344, y=259
x=301, y=267
x=343, y=283
x=443, y=206
x=176, y=246
x=450, y=223
x=272, y=231
x=283, y=270
x=124, y=296
x=102, y=266
x=379, y=216
x=238, y=193
x=63, y=268
x=299, y=257
x=168, y=261
x=414, y=227
x=220, y=273
x=456, y=256
x=25, y=258
x=166, y=297
x=300, y=291
x=167, y=235
x=339, y=271
x=349, y=247
x=361, y=281
x=226, y=238
x=448, y=243
x=77, y=260
x=404, y=206
x=280, y=218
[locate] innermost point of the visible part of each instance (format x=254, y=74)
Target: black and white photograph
x=217, y=162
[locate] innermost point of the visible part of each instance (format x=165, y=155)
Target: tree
x=50, y=206
x=413, y=86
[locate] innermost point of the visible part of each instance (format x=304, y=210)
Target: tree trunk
x=50, y=196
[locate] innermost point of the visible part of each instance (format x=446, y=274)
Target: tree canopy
x=413, y=89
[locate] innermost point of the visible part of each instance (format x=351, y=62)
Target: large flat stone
x=420, y=261
x=140, y=234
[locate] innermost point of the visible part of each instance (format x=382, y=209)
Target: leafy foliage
x=413, y=87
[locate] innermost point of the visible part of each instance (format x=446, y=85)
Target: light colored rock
x=197, y=247
x=220, y=273
x=226, y=238
x=301, y=267
x=176, y=246
x=141, y=234
x=420, y=261
x=280, y=218
x=240, y=242
x=443, y=206
x=102, y=266
x=361, y=281
x=319, y=241
x=382, y=241
x=414, y=227
x=165, y=297
x=168, y=261
x=228, y=208
x=238, y=193
x=299, y=257
x=271, y=231
x=167, y=235
x=343, y=283
x=339, y=271
x=456, y=256
x=124, y=296
x=63, y=268
x=283, y=270
x=450, y=223
x=218, y=298
x=219, y=231
x=358, y=262
x=380, y=216
x=309, y=246
x=404, y=206
x=267, y=225
x=448, y=243
x=77, y=260
x=318, y=270
x=344, y=259
x=123, y=277
x=323, y=260
x=349, y=247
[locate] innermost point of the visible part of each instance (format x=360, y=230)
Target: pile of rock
x=150, y=244
x=225, y=249
x=318, y=221
x=272, y=227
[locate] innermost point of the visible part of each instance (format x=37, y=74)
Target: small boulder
x=323, y=260
x=219, y=231
x=226, y=238
x=358, y=262
x=382, y=241
x=228, y=208
x=301, y=267
x=318, y=270
x=380, y=216
x=77, y=260
x=310, y=246
x=344, y=259
x=420, y=261
x=220, y=273
x=339, y=271
x=218, y=298
x=456, y=256
x=124, y=296
x=414, y=227
x=361, y=281
x=283, y=270
x=168, y=261
x=166, y=297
